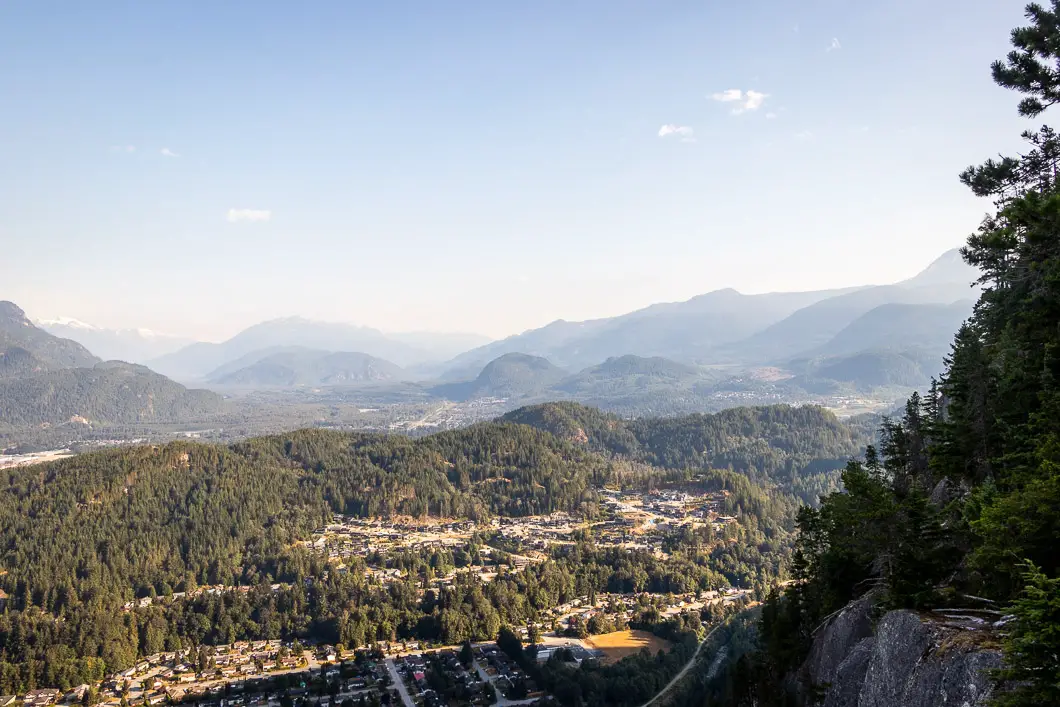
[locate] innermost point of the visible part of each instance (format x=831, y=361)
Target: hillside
x=82, y=536
x=283, y=485
x=636, y=385
x=799, y=448
x=111, y=392
x=51, y=352
x=307, y=367
x=924, y=327
x=512, y=376
x=865, y=371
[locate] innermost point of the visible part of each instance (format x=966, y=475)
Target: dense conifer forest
x=82, y=537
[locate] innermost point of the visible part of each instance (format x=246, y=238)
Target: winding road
x=688, y=666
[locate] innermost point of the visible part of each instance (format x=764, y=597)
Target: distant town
x=273, y=673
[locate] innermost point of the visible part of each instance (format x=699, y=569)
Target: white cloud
x=250, y=215
x=745, y=100
x=834, y=45
x=684, y=132
x=733, y=94
x=166, y=152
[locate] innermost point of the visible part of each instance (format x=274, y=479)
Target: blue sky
x=196, y=167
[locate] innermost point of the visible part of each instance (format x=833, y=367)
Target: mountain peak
x=947, y=268
x=66, y=322
x=10, y=310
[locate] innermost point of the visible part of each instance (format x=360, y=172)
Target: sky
x=196, y=167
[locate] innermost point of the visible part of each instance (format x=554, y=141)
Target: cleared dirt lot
x=619, y=644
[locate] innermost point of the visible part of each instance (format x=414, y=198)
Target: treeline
x=958, y=504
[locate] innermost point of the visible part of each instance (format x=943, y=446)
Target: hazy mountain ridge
x=726, y=326
x=301, y=367
x=198, y=360
x=679, y=330
x=894, y=326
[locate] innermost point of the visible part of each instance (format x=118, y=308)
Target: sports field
x=616, y=646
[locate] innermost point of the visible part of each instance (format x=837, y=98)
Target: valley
x=838, y=349
x=376, y=355
x=561, y=521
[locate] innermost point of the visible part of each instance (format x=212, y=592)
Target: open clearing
x=616, y=646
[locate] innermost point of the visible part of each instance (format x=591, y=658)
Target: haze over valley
x=853, y=350
x=530, y=354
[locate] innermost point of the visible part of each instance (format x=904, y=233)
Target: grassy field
x=619, y=644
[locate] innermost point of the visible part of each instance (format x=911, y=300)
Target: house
x=41, y=698
x=6, y=700
x=76, y=694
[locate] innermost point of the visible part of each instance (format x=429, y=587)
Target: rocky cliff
x=904, y=659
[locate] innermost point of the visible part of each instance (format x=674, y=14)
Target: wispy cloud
x=683, y=132
x=745, y=100
x=834, y=46
x=166, y=152
x=249, y=215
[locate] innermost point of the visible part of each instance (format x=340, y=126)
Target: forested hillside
x=112, y=392
x=801, y=449
x=80, y=537
x=958, y=506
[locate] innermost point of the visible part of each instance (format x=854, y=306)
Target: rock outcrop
x=908, y=660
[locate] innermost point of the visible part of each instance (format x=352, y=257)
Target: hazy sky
x=196, y=167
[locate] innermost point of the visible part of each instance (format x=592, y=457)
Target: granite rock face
x=834, y=642
x=845, y=689
x=908, y=661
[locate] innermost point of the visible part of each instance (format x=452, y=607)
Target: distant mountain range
x=727, y=327
x=199, y=360
x=131, y=345
x=720, y=348
x=47, y=380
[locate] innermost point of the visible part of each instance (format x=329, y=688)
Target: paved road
x=502, y=701
x=399, y=683
x=684, y=670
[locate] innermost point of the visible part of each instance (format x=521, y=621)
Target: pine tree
x=1032, y=647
